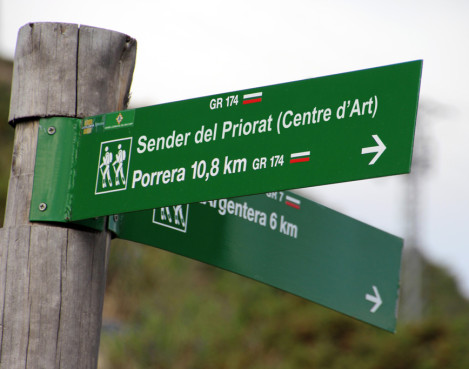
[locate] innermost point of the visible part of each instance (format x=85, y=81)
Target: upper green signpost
x=312, y=132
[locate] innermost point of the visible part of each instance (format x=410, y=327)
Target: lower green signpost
x=285, y=241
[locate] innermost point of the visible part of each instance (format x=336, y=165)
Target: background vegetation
x=165, y=311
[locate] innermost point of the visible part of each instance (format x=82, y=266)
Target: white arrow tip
x=376, y=299
x=377, y=150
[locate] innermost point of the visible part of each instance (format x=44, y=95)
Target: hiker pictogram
x=118, y=165
x=113, y=165
x=174, y=217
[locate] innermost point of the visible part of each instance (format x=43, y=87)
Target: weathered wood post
x=52, y=277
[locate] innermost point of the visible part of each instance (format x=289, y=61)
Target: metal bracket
x=54, y=172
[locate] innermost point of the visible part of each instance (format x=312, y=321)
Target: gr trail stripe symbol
x=293, y=202
x=252, y=98
x=113, y=165
x=299, y=157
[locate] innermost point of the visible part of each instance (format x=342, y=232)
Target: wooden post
x=52, y=277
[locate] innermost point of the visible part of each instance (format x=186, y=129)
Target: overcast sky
x=188, y=49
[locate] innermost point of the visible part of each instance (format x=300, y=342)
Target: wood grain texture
x=52, y=278
x=21, y=175
x=44, y=71
x=107, y=58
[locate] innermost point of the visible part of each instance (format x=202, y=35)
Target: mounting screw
x=51, y=130
x=116, y=217
x=42, y=206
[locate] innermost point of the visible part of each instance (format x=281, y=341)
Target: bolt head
x=42, y=206
x=51, y=130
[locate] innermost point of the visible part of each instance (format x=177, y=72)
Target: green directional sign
x=313, y=132
x=285, y=241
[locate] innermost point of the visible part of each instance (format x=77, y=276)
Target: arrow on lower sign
x=376, y=299
x=375, y=149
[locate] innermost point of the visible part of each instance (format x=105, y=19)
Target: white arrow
x=374, y=149
x=376, y=299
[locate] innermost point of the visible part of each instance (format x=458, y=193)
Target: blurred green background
x=166, y=311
